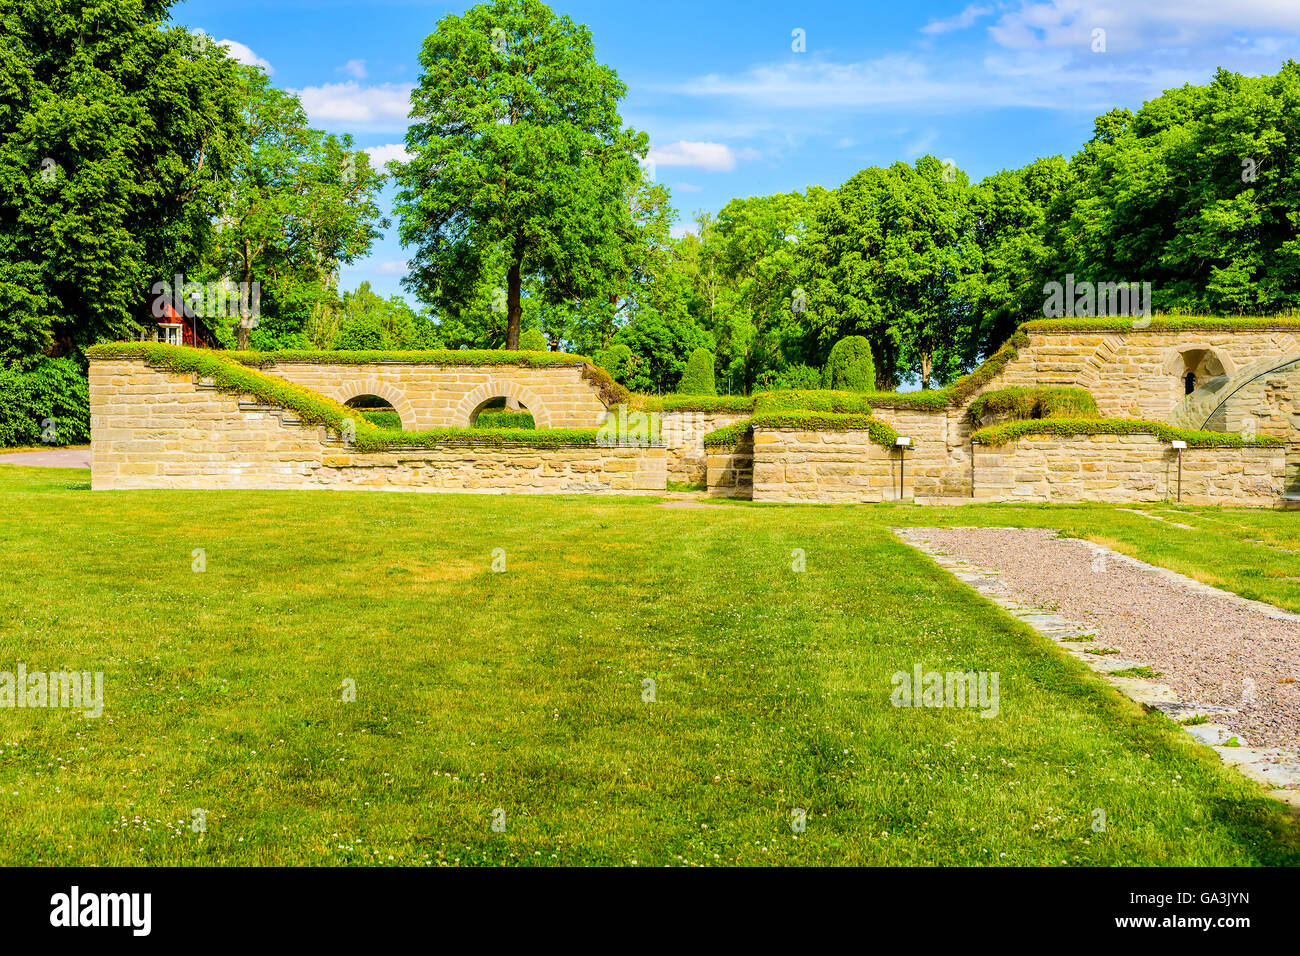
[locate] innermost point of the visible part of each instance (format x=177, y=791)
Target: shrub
x=533, y=340
x=728, y=435
x=383, y=417
x=54, y=389
x=692, y=403
x=461, y=357
x=1026, y=402
x=698, y=377
x=968, y=385
x=929, y=399
x=610, y=392
x=817, y=400
x=1067, y=427
x=495, y=419
x=616, y=360
x=360, y=334
x=1167, y=323
x=880, y=433
x=268, y=340
x=800, y=377
x=849, y=366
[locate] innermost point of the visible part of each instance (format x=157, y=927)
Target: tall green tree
x=1014, y=212
x=117, y=133
x=518, y=152
x=299, y=204
x=892, y=255
x=1197, y=193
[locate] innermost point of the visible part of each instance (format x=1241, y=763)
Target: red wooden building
x=175, y=322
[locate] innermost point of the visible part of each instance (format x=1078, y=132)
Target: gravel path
x=1210, y=649
x=54, y=458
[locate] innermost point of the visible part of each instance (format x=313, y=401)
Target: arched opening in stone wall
x=486, y=405
x=1201, y=364
x=497, y=412
x=1191, y=366
x=378, y=411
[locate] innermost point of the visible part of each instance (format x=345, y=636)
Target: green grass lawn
x=522, y=690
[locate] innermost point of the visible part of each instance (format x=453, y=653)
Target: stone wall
x=846, y=466
x=939, y=457
x=447, y=396
x=1138, y=374
x=157, y=429
x=683, y=433
x=1126, y=468
x=730, y=469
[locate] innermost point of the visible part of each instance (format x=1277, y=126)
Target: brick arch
x=344, y=392
x=503, y=388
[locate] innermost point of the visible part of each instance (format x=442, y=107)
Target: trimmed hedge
x=1167, y=323
x=728, y=435
x=966, y=386
x=533, y=340
x=1067, y=427
x=466, y=357
x=850, y=367
x=820, y=400
x=926, y=400
x=1042, y=401
x=692, y=403
x=880, y=433
x=609, y=391
x=229, y=375
x=382, y=417
x=698, y=377
x=505, y=420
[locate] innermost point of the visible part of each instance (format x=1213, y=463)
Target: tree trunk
x=242, y=329
x=514, y=302
x=927, y=361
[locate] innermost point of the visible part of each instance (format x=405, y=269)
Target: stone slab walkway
x=1179, y=646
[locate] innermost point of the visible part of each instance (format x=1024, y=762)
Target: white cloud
x=921, y=145
x=714, y=157
x=354, y=68
x=960, y=22
x=1036, y=54
x=1041, y=80
x=245, y=55
x=1135, y=27
x=380, y=155
x=394, y=267
x=687, y=188
x=380, y=107
x=681, y=229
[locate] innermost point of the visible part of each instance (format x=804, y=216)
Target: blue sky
x=733, y=109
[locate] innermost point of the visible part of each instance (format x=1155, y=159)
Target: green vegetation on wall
x=1039, y=401
x=1066, y=427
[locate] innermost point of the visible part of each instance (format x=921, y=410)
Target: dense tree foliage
x=519, y=159
x=299, y=204
x=117, y=135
